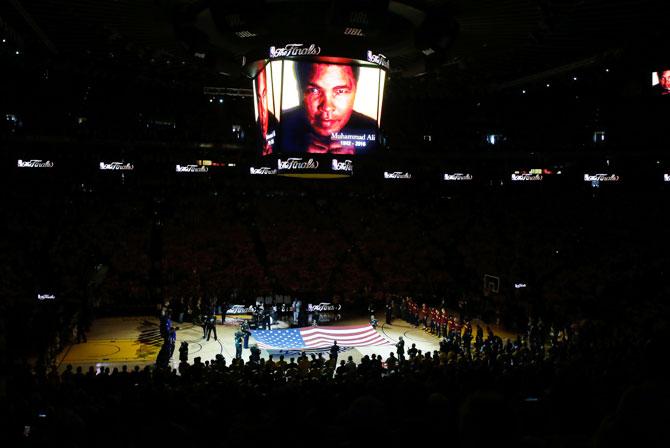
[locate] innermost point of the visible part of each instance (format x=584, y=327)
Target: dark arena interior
x=334, y=223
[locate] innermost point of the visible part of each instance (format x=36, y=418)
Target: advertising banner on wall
x=612, y=178
x=191, y=169
x=262, y=171
x=402, y=175
x=458, y=177
x=34, y=163
x=116, y=166
x=520, y=176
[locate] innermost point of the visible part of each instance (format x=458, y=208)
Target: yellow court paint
x=110, y=350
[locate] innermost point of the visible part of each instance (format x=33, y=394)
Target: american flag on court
x=319, y=337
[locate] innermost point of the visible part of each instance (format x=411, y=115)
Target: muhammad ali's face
x=329, y=97
x=664, y=79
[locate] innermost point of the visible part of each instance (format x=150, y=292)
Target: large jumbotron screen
x=318, y=107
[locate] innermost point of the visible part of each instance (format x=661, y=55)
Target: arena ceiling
x=454, y=42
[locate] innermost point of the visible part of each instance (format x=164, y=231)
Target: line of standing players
x=433, y=319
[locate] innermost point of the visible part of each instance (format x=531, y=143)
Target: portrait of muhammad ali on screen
x=325, y=120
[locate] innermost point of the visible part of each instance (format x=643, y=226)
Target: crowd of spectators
x=590, y=385
x=217, y=258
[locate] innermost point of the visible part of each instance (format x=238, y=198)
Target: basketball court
x=117, y=341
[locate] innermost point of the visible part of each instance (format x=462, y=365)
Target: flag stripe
x=340, y=337
x=339, y=328
x=334, y=330
x=368, y=340
x=336, y=335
